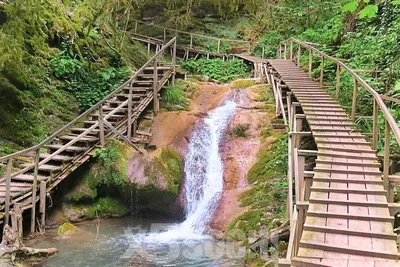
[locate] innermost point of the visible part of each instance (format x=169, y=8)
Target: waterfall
x=204, y=176
x=204, y=170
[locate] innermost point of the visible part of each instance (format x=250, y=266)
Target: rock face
x=239, y=152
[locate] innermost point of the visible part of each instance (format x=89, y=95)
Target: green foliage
x=103, y=207
x=63, y=66
x=112, y=164
x=239, y=131
x=223, y=71
x=170, y=165
x=174, y=97
x=369, y=10
x=243, y=83
x=90, y=89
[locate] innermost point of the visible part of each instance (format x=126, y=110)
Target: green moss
x=105, y=207
x=267, y=198
x=112, y=163
x=243, y=83
x=66, y=228
x=86, y=188
x=170, y=164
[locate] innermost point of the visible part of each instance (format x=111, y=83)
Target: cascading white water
x=204, y=176
x=204, y=170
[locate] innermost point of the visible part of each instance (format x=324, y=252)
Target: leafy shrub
x=63, y=66
x=174, y=97
x=90, y=89
x=223, y=71
x=239, y=131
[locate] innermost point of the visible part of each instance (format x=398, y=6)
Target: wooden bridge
x=341, y=212
x=34, y=172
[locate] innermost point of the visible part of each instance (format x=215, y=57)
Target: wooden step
x=47, y=168
x=60, y=158
x=348, y=191
x=82, y=139
x=81, y=130
x=335, y=129
x=144, y=133
x=347, y=180
x=341, y=231
x=329, y=135
x=321, y=109
x=345, y=163
x=318, y=140
x=322, y=118
x=28, y=178
x=348, y=203
x=341, y=114
x=350, y=216
x=326, y=124
x=319, y=105
x=348, y=149
x=335, y=170
x=349, y=250
x=70, y=148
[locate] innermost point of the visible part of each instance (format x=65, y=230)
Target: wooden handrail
x=388, y=116
x=89, y=111
x=192, y=34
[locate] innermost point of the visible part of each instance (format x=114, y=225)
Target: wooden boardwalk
x=347, y=222
x=34, y=172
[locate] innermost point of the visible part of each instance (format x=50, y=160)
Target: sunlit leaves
x=350, y=7
x=369, y=11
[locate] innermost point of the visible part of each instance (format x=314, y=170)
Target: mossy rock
x=66, y=229
x=85, y=190
x=102, y=207
x=243, y=83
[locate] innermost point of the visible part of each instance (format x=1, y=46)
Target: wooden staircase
x=48, y=163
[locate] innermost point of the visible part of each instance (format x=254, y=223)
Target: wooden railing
x=100, y=124
x=286, y=51
x=192, y=40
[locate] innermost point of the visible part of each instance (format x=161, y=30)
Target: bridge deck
x=348, y=221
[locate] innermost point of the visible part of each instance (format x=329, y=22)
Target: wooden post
x=285, y=51
x=296, y=175
x=375, y=126
x=219, y=45
x=321, y=78
x=282, y=107
x=289, y=108
x=386, y=163
x=165, y=34
x=337, y=81
x=263, y=52
x=129, y=134
x=155, y=87
x=101, y=127
x=136, y=25
x=299, y=56
x=280, y=51
x=174, y=62
x=8, y=189
x=354, y=102
x=290, y=180
x=34, y=190
x=148, y=48
x=18, y=215
x=310, y=55
x=42, y=206
x=191, y=41
x=291, y=50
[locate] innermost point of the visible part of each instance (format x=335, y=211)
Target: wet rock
x=66, y=229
